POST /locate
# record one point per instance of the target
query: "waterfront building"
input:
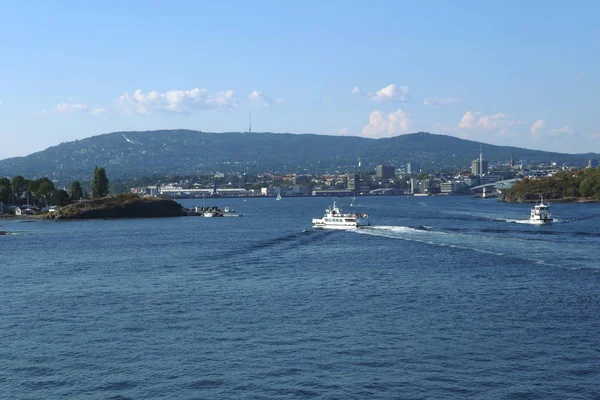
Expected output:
(298, 179)
(479, 166)
(353, 182)
(385, 171)
(332, 192)
(452, 187)
(413, 168)
(484, 180)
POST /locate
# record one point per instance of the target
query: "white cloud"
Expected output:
(536, 127)
(96, 111)
(492, 121)
(177, 101)
(1, 103)
(536, 130)
(70, 108)
(258, 97)
(357, 91)
(386, 125)
(391, 93)
(564, 130)
(475, 120)
(437, 101)
(466, 121)
(343, 131)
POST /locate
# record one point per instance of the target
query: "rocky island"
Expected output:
(120, 206)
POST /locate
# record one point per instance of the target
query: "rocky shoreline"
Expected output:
(121, 206)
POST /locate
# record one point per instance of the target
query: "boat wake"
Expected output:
(253, 251)
(513, 244)
(400, 229)
(425, 234)
(8, 233)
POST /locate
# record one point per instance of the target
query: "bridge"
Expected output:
(499, 185)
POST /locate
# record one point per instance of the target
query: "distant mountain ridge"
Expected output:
(183, 152)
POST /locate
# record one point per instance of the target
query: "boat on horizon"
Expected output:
(335, 219)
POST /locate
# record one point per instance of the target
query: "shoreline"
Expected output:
(568, 200)
(565, 200)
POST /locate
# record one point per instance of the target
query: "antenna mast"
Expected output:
(250, 123)
(480, 160)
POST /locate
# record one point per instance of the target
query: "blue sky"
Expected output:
(512, 73)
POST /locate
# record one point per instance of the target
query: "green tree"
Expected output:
(5, 190)
(19, 185)
(45, 189)
(5, 193)
(587, 187)
(99, 183)
(76, 191)
(60, 198)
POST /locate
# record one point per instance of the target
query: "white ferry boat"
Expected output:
(335, 219)
(540, 213)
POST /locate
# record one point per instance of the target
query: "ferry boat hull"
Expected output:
(335, 219)
(319, 223)
(541, 221)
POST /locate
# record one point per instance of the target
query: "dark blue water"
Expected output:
(444, 298)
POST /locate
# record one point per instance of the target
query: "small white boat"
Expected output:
(278, 196)
(335, 219)
(540, 213)
(228, 210)
(209, 214)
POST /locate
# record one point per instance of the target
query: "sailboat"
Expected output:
(278, 196)
(353, 201)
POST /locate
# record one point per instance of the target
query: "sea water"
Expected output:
(444, 297)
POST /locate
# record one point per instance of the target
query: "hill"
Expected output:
(182, 152)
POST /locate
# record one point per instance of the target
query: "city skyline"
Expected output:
(521, 75)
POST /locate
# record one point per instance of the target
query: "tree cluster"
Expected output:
(42, 192)
(583, 183)
(31, 191)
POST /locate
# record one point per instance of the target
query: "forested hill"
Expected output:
(183, 152)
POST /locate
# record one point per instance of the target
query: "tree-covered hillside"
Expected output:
(184, 152)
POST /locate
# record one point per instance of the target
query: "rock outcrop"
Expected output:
(120, 206)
